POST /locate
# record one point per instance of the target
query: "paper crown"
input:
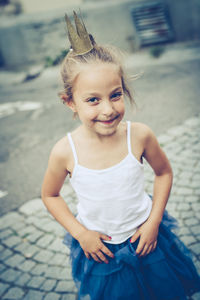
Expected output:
(79, 37)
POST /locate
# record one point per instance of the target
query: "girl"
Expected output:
(121, 243)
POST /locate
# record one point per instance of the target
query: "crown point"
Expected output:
(79, 38)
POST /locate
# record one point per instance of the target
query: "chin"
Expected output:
(107, 131)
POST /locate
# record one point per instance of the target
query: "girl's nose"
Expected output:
(107, 108)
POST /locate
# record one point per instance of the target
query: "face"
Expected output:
(98, 98)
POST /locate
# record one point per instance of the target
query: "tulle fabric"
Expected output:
(165, 274)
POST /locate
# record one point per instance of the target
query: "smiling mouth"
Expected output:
(108, 121)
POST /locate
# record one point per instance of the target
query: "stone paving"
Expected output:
(34, 263)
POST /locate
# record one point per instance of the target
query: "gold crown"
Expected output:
(79, 37)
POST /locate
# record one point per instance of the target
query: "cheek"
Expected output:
(87, 112)
(92, 113)
(119, 106)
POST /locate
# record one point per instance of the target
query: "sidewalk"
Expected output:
(33, 261)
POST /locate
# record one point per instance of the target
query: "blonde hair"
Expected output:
(71, 67)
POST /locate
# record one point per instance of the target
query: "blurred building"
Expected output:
(38, 6)
(40, 31)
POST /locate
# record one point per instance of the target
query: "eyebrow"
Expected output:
(116, 89)
(96, 94)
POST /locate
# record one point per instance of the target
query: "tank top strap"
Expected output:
(73, 148)
(129, 136)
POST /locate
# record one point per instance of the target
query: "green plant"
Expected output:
(156, 51)
(50, 61)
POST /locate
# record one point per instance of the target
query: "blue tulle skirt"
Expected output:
(166, 273)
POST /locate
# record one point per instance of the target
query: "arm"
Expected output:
(52, 183)
(155, 156)
(54, 178)
(163, 177)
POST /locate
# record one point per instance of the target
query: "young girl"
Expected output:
(121, 242)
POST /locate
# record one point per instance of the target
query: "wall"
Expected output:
(185, 16)
(37, 6)
(28, 39)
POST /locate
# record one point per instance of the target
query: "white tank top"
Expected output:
(112, 200)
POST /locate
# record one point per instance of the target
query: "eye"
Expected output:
(93, 100)
(116, 96)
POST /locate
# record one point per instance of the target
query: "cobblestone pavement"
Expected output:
(33, 260)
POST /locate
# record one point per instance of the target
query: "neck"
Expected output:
(100, 138)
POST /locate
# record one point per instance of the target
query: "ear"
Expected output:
(71, 105)
(69, 102)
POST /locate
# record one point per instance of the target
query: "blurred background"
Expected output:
(33, 31)
(161, 45)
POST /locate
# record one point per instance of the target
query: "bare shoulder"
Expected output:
(140, 135)
(61, 153)
(57, 168)
(142, 132)
(59, 150)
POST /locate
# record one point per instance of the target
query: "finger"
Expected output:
(87, 255)
(100, 255)
(105, 237)
(105, 250)
(140, 247)
(135, 237)
(150, 249)
(154, 245)
(144, 250)
(95, 257)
